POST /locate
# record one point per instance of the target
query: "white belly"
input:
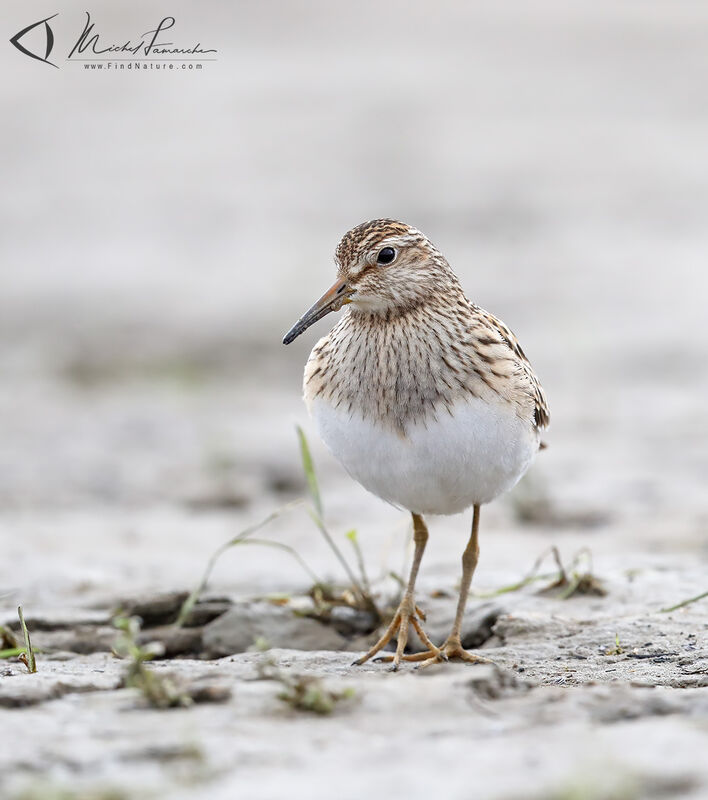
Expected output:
(441, 467)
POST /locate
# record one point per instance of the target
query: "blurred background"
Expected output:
(162, 230)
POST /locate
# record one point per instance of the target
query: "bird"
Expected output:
(426, 399)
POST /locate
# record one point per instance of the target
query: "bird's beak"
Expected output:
(332, 300)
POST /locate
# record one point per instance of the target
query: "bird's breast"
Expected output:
(393, 372)
(443, 464)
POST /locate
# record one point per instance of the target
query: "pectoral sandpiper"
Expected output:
(426, 399)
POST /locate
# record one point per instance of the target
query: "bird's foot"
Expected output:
(451, 650)
(407, 614)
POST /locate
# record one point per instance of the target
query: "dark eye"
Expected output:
(386, 255)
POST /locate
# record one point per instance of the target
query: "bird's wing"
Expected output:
(542, 414)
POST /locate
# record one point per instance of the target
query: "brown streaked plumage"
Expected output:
(428, 400)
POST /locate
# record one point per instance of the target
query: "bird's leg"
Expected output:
(452, 648)
(407, 613)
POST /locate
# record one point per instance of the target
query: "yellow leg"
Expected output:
(452, 648)
(407, 613)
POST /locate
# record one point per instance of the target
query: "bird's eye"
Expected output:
(386, 255)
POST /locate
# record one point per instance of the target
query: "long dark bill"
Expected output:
(332, 300)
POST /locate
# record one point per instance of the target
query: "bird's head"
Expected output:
(382, 266)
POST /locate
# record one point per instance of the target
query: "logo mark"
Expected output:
(49, 36)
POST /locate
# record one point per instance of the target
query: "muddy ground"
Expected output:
(593, 695)
(557, 156)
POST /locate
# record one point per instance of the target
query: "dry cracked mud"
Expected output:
(160, 236)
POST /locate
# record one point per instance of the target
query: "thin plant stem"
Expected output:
(515, 587)
(191, 601)
(353, 538)
(309, 470)
(291, 550)
(317, 515)
(531, 576)
(684, 603)
(356, 586)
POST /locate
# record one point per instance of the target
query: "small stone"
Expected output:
(155, 609)
(352, 621)
(237, 629)
(174, 641)
(202, 692)
(477, 624)
(492, 682)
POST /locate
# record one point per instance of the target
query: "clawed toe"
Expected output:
(408, 614)
(452, 650)
(411, 657)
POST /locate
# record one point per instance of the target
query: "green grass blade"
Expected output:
(684, 603)
(309, 470)
(12, 652)
(514, 587)
(29, 660)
